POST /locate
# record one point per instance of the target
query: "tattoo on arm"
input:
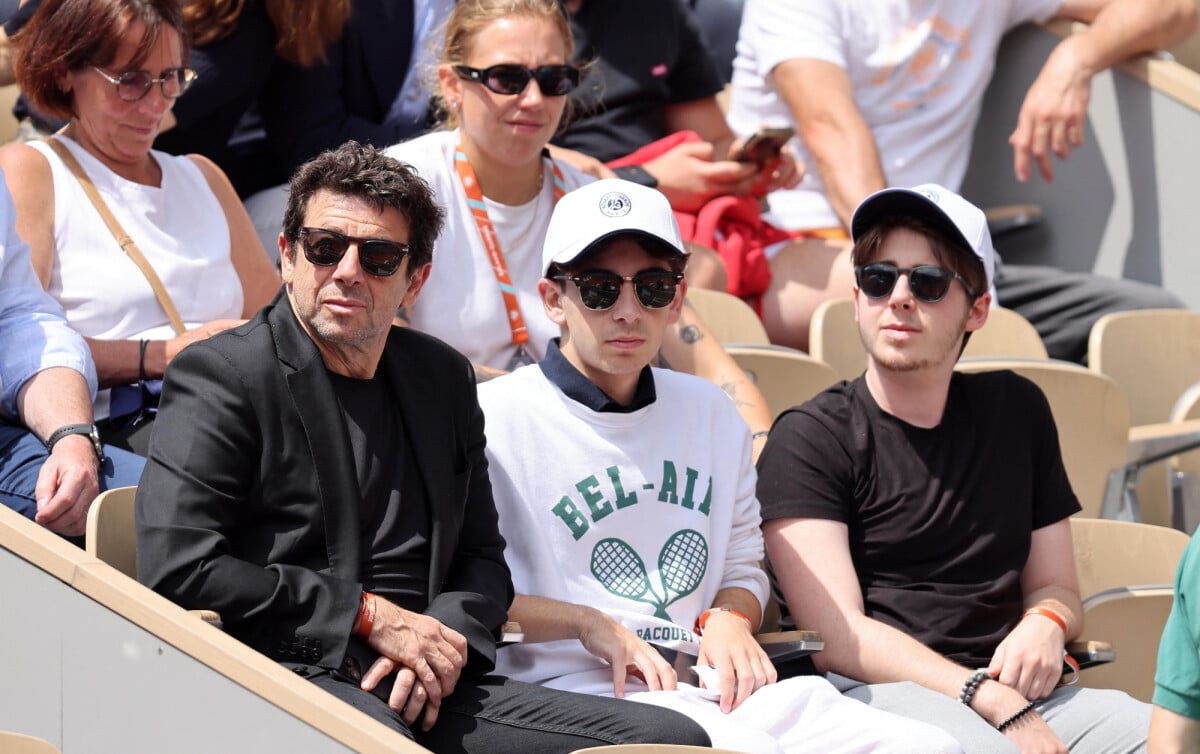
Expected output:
(691, 334)
(731, 389)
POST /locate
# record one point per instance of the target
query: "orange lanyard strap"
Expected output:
(487, 234)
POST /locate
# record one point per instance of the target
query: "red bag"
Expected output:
(730, 225)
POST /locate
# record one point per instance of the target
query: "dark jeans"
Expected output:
(1064, 305)
(500, 716)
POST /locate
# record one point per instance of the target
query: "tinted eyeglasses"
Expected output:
(507, 78)
(600, 290)
(325, 248)
(133, 85)
(928, 283)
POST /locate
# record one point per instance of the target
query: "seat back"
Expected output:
(1154, 355)
(1090, 413)
(19, 743)
(730, 319)
(785, 376)
(1126, 574)
(111, 533)
(834, 339)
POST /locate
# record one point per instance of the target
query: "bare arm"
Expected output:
(544, 619)
(728, 644)
(260, 281)
(1172, 733)
(820, 586)
(821, 99)
(689, 346)
(1052, 116)
(69, 478)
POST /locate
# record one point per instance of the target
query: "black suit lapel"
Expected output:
(328, 440)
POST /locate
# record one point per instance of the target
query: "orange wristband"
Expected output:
(1046, 612)
(365, 621)
(704, 616)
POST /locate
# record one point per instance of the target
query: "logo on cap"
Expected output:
(932, 195)
(615, 204)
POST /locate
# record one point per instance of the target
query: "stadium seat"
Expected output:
(785, 376)
(18, 743)
(730, 319)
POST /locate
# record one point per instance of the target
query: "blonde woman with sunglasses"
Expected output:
(116, 68)
(501, 86)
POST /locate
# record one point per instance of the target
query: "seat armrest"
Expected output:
(1091, 653)
(511, 633)
(783, 645)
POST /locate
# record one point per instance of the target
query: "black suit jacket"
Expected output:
(248, 502)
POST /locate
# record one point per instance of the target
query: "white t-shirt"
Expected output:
(646, 515)
(461, 302)
(919, 72)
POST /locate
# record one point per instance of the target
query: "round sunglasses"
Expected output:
(133, 85)
(928, 283)
(599, 290)
(325, 248)
(509, 78)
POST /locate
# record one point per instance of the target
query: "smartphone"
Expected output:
(764, 144)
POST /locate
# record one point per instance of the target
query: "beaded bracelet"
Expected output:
(1012, 719)
(972, 684)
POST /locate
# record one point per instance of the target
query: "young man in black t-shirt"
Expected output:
(918, 517)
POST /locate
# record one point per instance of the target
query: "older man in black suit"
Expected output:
(319, 477)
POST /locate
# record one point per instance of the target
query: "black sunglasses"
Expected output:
(325, 248)
(928, 283)
(133, 85)
(508, 78)
(600, 290)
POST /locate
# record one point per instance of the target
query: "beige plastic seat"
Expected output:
(1126, 575)
(785, 376)
(834, 339)
(730, 319)
(111, 533)
(19, 743)
(1154, 355)
(1090, 413)
(112, 537)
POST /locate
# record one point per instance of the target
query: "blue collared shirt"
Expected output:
(580, 389)
(34, 334)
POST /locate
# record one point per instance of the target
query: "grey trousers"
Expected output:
(1088, 721)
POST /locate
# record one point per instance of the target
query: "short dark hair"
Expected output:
(363, 172)
(675, 261)
(70, 35)
(947, 248)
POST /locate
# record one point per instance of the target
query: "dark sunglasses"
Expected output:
(927, 282)
(508, 78)
(325, 248)
(133, 85)
(600, 290)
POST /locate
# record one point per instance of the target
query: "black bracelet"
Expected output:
(972, 684)
(760, 433)
(1019, 714)
(142, 361)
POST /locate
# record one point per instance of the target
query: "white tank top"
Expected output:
(179, 227)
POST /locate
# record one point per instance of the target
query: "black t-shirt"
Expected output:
(648, 54)
(393, 513)
(940, 520)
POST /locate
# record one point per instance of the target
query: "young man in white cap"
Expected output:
(626, 496)
(919, 515)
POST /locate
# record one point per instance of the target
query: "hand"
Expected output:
(206, 330)
(995, 702)
(689, 176)
(66, 486)
(742, 665)
(627, 653)
(1053, 113)
(435, 652)
(783, 172)
(409, 696)
(1030, 659)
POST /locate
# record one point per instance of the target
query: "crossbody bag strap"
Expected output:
(126, 243)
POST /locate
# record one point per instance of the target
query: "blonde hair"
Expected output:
(469, 18)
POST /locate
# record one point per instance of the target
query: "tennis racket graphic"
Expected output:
(682, 563)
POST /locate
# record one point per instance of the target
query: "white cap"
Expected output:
(608, 209)
(933, 202)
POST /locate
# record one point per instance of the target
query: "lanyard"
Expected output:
(487, 233)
